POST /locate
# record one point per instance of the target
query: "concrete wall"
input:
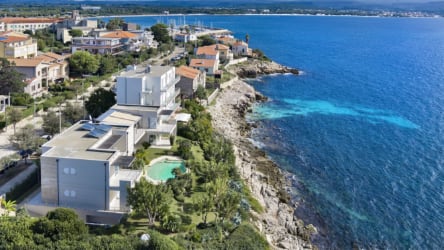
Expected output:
(49, 184)
(128, 90)
(83, 183)
(186, 86)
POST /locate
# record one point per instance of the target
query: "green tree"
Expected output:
(51, 123)
(26, 138)
(15, 115)
(73, 112)
(10, 79)
(61, 224)
(204, 205)
(201, 93)
(184, 149)
(108, 64)
(83, 62)
(149, 199)
(76, 33)
(115, 24)
(100, 101)
(160, 33)
(229, 203)
(207, 40)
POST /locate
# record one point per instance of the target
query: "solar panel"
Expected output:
(103, 127)
(87, 126)
(97, 133)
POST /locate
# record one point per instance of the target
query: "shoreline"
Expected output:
(266, 181)
(246, 14)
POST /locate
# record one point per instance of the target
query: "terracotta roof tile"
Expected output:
(206, 63)
(187, 72)
(12, 39)
(30, 62)
(30, 20)
(119, 34)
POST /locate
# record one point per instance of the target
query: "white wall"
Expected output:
(83, 183)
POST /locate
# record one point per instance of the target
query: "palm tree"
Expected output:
(8, 206)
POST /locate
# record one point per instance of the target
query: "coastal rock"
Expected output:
(263, 177)
(255, 67)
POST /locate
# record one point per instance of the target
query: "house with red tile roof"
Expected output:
(97, 45)
(40, 71)
(34, 71)
(209, 66)
(190, 79)
(240, 48)
(215, 51)
(17, 45)
(20, 24)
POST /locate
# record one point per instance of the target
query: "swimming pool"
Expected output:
(162, 169)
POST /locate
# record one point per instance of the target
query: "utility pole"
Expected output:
(60, 118)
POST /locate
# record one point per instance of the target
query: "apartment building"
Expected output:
(17, 45)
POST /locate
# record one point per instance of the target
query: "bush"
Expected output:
(160, 242)
(184, 149)
(146, 144)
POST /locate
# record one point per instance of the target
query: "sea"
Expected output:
(361, 129)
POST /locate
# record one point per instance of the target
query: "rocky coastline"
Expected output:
(253, 68)
(266, 181)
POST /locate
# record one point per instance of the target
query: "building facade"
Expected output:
(21, 24)
(17, 45)
(150, 93)
(190, 80)
(97, 45)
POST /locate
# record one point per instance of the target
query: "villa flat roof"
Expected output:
(75, 143)
(115, 117)
(141, 71)
(120, 107)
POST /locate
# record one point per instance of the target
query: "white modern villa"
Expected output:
(87, 166)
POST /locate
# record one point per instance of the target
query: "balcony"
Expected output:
(170, 84)
(171, 98)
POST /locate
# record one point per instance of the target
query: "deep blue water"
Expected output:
(362, 129)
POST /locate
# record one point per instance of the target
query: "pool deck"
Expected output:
(160, 159)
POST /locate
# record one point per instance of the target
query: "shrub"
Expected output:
(146, 144)
(184, 149)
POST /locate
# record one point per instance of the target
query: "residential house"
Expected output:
(97, 45)
(17, 45)
(20, 24)
(126, 38)
(34, 70)
(207, 52)
(185, 37)
(210, 66)
(129, 26)
(88, 166)
(41, 70)
(240, 48)
(151, 94)
(58, 69)
(190, 79)
(75, 22)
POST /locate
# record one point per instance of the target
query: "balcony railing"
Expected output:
(170, 84)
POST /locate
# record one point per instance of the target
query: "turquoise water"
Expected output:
(362, 129)
(162, 171)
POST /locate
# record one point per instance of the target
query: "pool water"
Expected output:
(162, 171)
